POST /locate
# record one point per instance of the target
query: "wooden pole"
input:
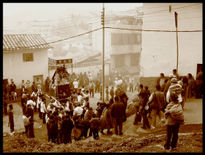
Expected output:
(103, 69)
(176, 24)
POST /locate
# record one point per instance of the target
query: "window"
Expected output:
(126, 38)
(119, 60)
(134, 59)
(27, 57)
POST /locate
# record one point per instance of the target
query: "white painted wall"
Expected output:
(159, 51)
(15, 68)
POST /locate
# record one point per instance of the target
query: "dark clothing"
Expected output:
(145, 119)
(172, 136)
(86, 126)
(118, 114)
(118, 125)
(117, 109)
(29, 113)
(94, 132)
(143, 95)
(52, 130)
(94, 127)
(11, 120)
(47, 83)
(5, 107)
(44, 117)
(12, 87)
(137, 116)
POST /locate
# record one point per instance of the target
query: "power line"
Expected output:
(156, 12)
(152, 30)
(52, 42)
(159, 11)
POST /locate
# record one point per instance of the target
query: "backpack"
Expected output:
(176, 112)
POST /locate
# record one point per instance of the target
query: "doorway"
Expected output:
(38, 79)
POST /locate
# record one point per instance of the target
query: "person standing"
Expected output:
(112, 92)
(43, 110)
(107, 93)
(75, 84)
(47, 84)
(157, 100)
(199, 84)
(174, 118)
(92, 89)
(23, 87)
(11, 119)
(67, 126)
(5, 103)
(29, 114)
(175, 87)
(161, 81)
(191, 85)
(12, 91)
(118, 114)
(33, 87)
(94, 126)
(143, 97)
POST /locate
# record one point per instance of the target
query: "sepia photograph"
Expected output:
(102, 77)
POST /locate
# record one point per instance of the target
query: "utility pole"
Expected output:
(103, 36)
(176, 24)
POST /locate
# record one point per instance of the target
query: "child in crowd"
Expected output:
(174, 117)
(11, 119)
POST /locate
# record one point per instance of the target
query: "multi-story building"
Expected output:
(122, 47)
(159, 49)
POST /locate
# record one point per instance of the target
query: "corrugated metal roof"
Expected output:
(13, 42)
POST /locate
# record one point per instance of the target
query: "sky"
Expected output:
(27, 11)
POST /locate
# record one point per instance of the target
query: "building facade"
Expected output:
(159, 49)
(25, 57)
(122, 46)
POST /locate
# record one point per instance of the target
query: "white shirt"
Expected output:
(30, 102)
(46, 118)
(38, 102)
(75, 83)
(43, 107)
(78, 111)
(79, 98)
(33, 94)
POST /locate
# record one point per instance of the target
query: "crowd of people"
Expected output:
(75, 115)
(166, 102)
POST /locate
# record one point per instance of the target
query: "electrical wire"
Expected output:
(52, 42)
(159, 11)
(152, 30)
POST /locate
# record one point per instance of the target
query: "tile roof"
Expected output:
(13, 42)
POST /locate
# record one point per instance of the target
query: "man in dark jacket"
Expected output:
(118, 114)
(11, 119)
(94, 127)
(67, 127)
(143, 98)
(30, 113)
